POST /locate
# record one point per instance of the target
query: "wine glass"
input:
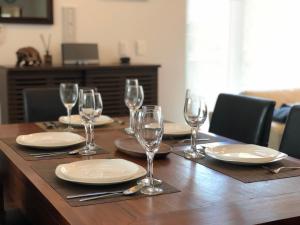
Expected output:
(146, 180)
(150, 129)
(68, 95)
(195, 114)
(134, 97)
(86, 111)
(97, 114)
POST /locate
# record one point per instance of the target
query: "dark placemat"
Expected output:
(64, 188)
(185, 141)
(25, 152)
(57, 126)
(247, 174)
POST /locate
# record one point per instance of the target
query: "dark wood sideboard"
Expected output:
(109, 79)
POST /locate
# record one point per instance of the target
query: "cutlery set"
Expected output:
(48, 154)
(99, 195)
(277, 170)
(50, 125)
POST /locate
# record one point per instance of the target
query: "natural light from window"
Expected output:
(236, 45)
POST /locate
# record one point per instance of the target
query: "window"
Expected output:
(235, 45)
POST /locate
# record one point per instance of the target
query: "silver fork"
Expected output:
(277, 170)
(44, 154)
(198, 139)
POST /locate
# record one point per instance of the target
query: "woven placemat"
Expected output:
(246, 174)
(64, 188)
(25, 152)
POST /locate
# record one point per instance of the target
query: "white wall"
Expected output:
(161, 23)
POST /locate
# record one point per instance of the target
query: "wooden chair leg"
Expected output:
(1, 198)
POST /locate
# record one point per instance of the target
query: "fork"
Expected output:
(198, 139)
(277, 170)
(44, 154)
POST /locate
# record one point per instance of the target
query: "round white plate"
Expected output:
(49, 140)
(176, 129)
(247, 154)
(100, 171)
(76, 120)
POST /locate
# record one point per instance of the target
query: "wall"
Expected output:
(161, 23)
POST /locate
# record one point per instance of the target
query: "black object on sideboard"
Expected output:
(109, 79)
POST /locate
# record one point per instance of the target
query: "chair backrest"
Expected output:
(290, 142)
(246, 119)
(43, 104)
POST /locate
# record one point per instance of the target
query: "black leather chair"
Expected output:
(246, 119)
(290, 142)
(43, 104)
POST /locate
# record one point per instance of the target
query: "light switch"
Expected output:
(2, 34)
(69, 24)
(141, 47)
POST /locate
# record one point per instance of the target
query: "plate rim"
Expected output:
(109, 121)
(20, 142)
(280, 156)
(141, 172)
(137, 154)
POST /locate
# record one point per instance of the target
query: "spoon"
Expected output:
(277, 170)
(129, 191)
(46, 154)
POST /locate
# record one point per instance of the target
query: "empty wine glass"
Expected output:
(97, 114)
(195, 114)
(134, 97)
(150, 129)
(68, 95)
(86, 111)
(146, 180)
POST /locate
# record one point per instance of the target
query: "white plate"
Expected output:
(100, 171)
(76, 120)
(245, 154)
(176, 129)
(50, 140)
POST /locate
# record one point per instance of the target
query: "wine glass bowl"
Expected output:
(86, 112)
(68, 94)
(133, 98)
(97, 113)
(195, 114)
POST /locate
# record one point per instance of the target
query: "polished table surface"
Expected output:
(205, 197)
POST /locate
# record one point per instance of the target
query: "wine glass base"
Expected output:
(129, 131)
(151, 190)
(146, 181)
(93, 146)
(68, 129)
(190, 154)
(87, 152)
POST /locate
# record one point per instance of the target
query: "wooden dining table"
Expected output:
(205, 196)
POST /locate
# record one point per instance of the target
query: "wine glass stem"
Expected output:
(91, 132)
(148, 169)
(131, 118)
(86, 128)
(150, 157)
(69, 116)
(92, 141)
(194, 139)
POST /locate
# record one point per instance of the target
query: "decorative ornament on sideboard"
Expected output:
(28, 56)
(47, 56)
